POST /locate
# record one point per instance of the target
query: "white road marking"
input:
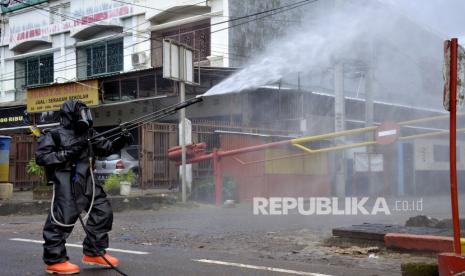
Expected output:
(267, 268)
(80, 246)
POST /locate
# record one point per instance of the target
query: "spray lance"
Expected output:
(150, 117)
(85, 124)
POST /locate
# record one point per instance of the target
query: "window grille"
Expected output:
(105, 58)
(39, 70)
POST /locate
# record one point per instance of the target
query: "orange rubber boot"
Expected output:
(62, 268)
(97, 260)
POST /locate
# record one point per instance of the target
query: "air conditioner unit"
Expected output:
(139, 59)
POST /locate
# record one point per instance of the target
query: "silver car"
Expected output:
(126, 160)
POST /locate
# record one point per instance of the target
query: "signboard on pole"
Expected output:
(178, 65)
(178, 62)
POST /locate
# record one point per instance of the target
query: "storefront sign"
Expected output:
(12, 117)
(51, 97)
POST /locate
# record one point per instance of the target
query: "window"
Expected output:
(147, 86)
(128, 89)
(164, 86)
(38, 70)
(111, 91)
(195, 35)
(118, 88)
(133, 152)
(105, 58)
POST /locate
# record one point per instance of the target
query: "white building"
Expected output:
(67, 40)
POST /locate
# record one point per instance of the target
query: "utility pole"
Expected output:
(339, 125)
(178, 65)
(369, 119)
(182, 119)
(339, 116)
(370, 88)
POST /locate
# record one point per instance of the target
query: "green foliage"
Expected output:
(112, 183)
(204, 190)
(35, 170)
(229, 188)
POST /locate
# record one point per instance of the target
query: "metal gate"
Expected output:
(156, 170)
(156, 138)
(21, 152)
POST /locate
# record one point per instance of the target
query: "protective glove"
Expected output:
(128, 138)
(124, 139)
(74, 151)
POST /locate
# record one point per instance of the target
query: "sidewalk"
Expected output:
(22, 203)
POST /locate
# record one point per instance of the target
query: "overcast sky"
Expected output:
(444, 17)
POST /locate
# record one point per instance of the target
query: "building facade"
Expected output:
(109, 54)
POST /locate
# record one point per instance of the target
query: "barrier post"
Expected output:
(217, 173)
(453, 146)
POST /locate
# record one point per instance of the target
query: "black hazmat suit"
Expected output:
(64, 153)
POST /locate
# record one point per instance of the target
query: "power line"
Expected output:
(80, 20)
(91, 24)
(161, 10)
(277, 10)
(290, 7)
(178, 11)
(78, 64)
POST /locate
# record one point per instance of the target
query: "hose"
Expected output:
(87, 214)
(87, 230)
(91, 202)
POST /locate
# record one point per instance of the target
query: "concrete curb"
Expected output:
(419, 269)
(119, 204)
(428, 243)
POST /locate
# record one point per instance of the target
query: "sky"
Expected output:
(444, 17)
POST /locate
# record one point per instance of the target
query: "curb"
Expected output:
(419, 269)
(428, 243)
(118, 203)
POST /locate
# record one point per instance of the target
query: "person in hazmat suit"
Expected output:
(64, 152)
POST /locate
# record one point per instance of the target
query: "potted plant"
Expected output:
(204, 190)
(119, 183)
(42, 191)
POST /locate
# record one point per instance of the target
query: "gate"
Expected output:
(156, 138)
(21, 152)
(156, 170)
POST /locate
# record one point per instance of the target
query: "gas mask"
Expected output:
(84, 120)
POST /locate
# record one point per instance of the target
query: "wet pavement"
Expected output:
(228, 241)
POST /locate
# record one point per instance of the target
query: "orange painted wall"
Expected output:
(297, 177)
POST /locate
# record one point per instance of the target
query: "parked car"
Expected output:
(126, 160)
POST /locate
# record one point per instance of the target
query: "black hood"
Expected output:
(69, 112)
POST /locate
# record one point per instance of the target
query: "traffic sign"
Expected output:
(387, 133)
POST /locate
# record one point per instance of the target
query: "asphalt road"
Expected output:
(23, 258)
(228, 241)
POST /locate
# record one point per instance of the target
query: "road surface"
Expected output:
(206, 240)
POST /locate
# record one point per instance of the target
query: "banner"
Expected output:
(12, 117)
(37, 25)
(50, 98)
